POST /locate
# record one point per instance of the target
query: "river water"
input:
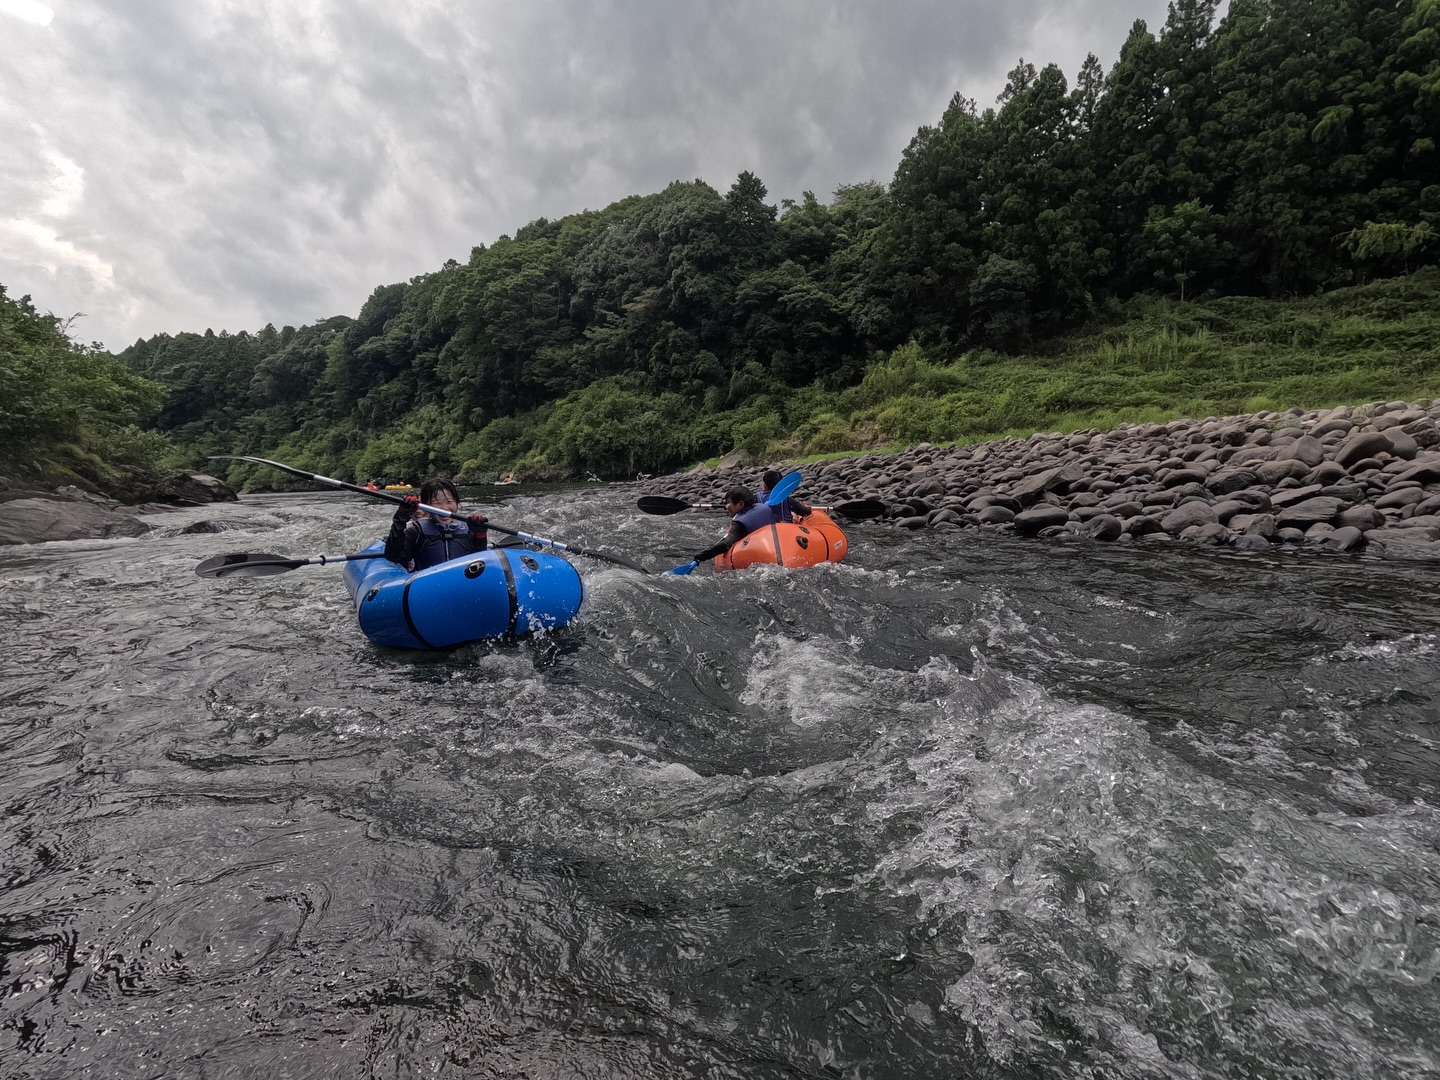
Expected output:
(962, 806)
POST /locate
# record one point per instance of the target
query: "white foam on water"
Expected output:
(1181, 926)
(1404, 648)
(807, 682)
(1126, 605)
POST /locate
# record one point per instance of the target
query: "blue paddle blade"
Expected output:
(783, 489)
(682, 571)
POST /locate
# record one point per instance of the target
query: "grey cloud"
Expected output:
(247, 162)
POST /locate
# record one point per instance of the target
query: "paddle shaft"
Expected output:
(318, 560)
(437, 511)
(663, 505)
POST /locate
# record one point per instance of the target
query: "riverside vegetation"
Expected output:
(1240, 216)
(70, 412)
(71, 451)
(1151, 360)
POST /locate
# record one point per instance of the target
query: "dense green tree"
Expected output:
(1150, 126)
(1180, 243)
(1045, 214)
(929, 248)
(1323, 130)
(63, 403)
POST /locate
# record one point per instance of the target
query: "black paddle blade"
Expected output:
(860, 509)
(218, 566)
(661, 504)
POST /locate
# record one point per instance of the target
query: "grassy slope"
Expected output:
(1156, 361)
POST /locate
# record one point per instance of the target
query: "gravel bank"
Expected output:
(1352, 478)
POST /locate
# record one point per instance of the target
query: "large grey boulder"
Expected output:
(1400, 497)
(1348, 538)
(1307, 448)
(994, 514)
(1225, 481)
(1182, 517)
(1211, 533)
(1104, 527)
(1360, 517)
(1250, 542)
(1183, 477)
(1144, 525)
(1359, 446)
(1401, 444)
(194, 489)
(35, 521)
(1424, 469)
(1309, 512)
(1293, 495)
(1327, 472)
(1326, 427)
(1272, 472)
(1030, 489)
(1030, 522)
(1258, 525)
(1424, 432)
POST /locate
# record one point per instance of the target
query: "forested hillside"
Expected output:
(1283, 151)
(68, 411)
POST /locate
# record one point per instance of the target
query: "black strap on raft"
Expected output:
(510, 589)
(405, 607)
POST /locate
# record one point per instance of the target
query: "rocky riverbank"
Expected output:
(69, 513)
(1352, 478)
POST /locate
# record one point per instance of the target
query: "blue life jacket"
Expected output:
(442, 541)
(782, 512)
(756, 517)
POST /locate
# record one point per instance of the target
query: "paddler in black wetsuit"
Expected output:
(746, 515)
(423, 541)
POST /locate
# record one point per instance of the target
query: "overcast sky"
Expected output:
(170, 165)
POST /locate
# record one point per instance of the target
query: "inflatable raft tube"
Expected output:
(809, 542)
(497, 593)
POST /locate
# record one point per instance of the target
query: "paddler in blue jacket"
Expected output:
(787, 511)
(746, 515)
(418, 540)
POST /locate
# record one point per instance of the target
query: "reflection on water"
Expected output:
(962, 805)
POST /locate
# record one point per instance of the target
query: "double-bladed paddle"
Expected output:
(437, 511)
(663, 505)
(251, 564)
(783, 489)
(264, 565)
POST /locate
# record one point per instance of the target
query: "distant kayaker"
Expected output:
(419, 540)
(746, 515)
(791, 508)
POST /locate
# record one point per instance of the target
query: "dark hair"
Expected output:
(770, 479)
(740, 495)
(434, 486)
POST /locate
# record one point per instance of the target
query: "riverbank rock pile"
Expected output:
(1350, 478)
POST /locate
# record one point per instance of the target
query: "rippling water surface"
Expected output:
(960, 806)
